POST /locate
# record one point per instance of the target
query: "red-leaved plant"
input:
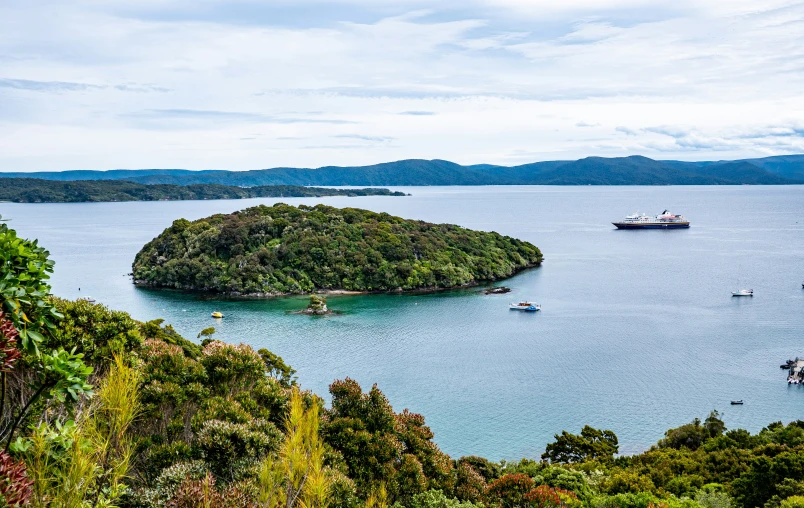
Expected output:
(9, 354)
(15, 486)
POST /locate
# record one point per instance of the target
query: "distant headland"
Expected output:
(33, 190)
(281, 249)
(633, 170)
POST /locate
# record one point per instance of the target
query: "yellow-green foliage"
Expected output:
(378, 498)
(83, 463)
(793, 502)
(296, 476)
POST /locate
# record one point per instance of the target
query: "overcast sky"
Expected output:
(245, 84)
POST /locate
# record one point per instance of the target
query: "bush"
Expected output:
(230, 447)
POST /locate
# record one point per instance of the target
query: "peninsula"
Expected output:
(35, 190)
(265, 251)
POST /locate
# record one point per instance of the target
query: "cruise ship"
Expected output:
(664, 220)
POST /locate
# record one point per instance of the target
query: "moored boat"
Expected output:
(217, 315)
(86, 299)
(743, 292)
(664, 220)
(737, 402)
(525, 306)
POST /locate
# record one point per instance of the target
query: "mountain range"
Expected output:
(633, 170)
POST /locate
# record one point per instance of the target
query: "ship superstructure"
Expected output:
(664, 220)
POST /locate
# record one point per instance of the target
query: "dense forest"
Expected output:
(633, 170)
(284, 249)
(100, 410)
(33, 190)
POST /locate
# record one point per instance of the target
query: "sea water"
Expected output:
(638, 330)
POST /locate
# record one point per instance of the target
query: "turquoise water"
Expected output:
(638, 331)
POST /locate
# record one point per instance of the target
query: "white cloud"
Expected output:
(487, 81)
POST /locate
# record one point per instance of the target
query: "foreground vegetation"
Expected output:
(33, 190)
(98, 409)
(284, 249)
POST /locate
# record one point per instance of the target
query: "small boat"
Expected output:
(737, 402)
(217, 315)
(86, 299)
(743, 292)
(526, 306)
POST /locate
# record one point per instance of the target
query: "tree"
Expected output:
(509, 490)
(296, 476)
(26, 316)
(379, 446)
(591, 444)
(714, 426)
(693, 435)
(207, 333)
(25, 268)
(276, 367)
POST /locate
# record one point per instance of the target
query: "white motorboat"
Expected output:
(526, 306)
(743, 292)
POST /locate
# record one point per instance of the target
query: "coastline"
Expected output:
(335, 291)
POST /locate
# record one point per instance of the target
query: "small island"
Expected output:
(34, 190)
(282, 249)
(316, 307)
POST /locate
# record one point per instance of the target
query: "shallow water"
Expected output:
(638, 331)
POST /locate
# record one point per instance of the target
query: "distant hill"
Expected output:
(633, 170)
(35, 190)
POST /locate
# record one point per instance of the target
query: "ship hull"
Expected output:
(675, 225)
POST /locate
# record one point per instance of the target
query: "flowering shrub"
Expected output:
(224, 444)
(196, 493)
(545, 496)
(231, 368)
(509, 491)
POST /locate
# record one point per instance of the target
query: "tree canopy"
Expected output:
(284, 249)
(34, 190)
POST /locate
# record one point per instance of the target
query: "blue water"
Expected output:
(638, 331)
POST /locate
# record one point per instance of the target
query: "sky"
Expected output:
(248, 84)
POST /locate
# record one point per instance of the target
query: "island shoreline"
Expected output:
(331, 292)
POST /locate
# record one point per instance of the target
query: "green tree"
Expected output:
(591, 444)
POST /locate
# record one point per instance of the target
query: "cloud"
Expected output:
(134, 87)
(627, 131)
(47, 86)
(212, 116)
(67, 86)
(684, 138)
(179, 83)
(363, 137)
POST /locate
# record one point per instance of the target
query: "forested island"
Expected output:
(288, 250)
(102, 410)
(34, 190)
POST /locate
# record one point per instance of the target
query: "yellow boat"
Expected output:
(217, 315)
